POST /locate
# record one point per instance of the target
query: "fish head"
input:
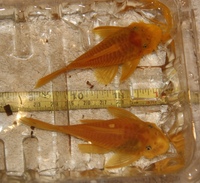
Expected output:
(145, 37)
(156, 143)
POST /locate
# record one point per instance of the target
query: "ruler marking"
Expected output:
(62, 100)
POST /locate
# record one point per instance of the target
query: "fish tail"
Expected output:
(41, 125)
(49, 77)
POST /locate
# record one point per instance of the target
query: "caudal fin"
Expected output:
(50, 77)
(40, 124)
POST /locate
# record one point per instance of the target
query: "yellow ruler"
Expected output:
(62, 100)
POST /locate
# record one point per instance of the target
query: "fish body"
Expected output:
(121, 46)
(126, 135)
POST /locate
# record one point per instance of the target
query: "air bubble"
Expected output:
(191, 75)
(196, 81)
(151, 79)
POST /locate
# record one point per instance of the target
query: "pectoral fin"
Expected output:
(105, 75)
(128, 68)
(121, 113)
(105, 31)
(91, 148)
(119, 160)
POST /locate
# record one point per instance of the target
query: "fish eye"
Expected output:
(144, 45)
(135, 28)
(148, 148)
(150, 126)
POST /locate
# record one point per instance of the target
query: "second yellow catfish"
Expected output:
(127, 136)
(121, 46)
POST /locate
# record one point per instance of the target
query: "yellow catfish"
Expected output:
(121, 46)
(127, 136)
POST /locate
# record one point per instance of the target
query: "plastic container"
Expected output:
(41, 36)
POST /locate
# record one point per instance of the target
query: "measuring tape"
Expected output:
(62, 100)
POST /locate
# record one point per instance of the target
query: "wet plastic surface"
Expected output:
(38, 38)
